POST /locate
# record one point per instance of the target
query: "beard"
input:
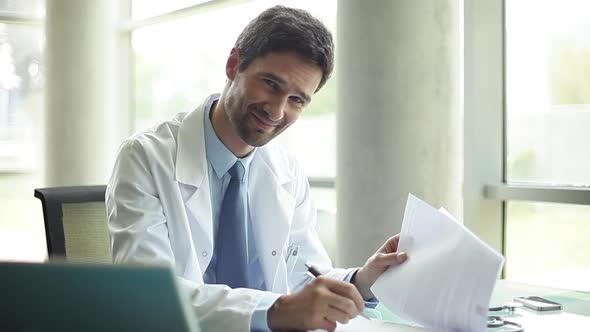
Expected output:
(246, 126)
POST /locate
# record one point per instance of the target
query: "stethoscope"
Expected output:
(499, 321)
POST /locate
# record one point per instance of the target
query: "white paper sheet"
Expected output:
(360, 324)
(364, 325)
(447, 281)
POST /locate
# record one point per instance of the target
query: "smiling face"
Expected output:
(268, 96)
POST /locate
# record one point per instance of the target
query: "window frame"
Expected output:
(486, 190)
(10, 18)
(132, 25)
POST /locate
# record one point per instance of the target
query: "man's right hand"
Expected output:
(319, 305)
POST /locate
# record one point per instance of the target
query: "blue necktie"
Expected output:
(232, 252)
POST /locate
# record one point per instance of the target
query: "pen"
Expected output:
(316, 273)
(289, 250)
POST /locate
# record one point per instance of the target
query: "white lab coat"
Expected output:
(159, 212)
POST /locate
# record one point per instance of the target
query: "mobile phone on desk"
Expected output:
(538, 303)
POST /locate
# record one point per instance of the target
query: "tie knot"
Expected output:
(237, 171)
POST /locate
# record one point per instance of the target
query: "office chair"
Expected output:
(75, 223)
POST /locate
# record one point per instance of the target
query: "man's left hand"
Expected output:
(385, 257)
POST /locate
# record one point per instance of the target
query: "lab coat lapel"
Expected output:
(271, 210)
(191, 173)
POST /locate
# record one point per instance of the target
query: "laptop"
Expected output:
(75, 297)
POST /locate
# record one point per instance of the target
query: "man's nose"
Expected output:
(276, 108)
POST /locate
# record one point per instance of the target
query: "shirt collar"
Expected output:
(220, 157)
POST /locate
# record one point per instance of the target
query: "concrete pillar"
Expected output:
(83, 117)
(399, 118)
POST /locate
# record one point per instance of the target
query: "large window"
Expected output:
(526, 151)
(547, 244)
(547, 138)
(21, 108)
(21, 82)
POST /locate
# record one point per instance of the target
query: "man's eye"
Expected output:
(297, 100)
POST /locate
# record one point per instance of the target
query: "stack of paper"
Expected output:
(447, 281)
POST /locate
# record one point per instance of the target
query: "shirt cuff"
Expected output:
(259, 322)
(348, 277)
(369, 303)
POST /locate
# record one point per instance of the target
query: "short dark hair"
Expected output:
(281, 28)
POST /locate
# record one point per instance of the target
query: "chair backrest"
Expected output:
(75, 223)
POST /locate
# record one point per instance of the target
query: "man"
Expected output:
(209, 193)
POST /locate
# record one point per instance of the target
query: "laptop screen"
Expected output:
(74, 297)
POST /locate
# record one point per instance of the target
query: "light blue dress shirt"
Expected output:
(220, 159)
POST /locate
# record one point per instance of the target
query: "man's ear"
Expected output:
(232, 64)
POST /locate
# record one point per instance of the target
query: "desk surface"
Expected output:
(574, 302)
(576, 309)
